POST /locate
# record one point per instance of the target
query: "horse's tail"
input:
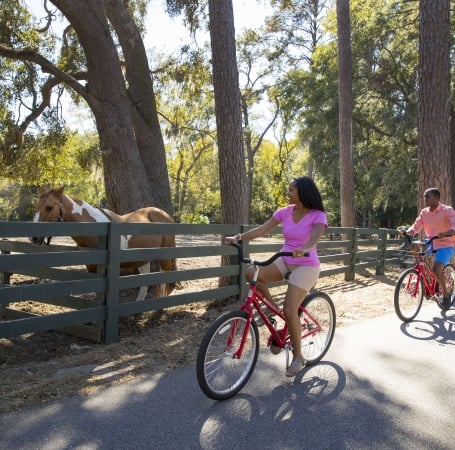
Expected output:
(168, 240)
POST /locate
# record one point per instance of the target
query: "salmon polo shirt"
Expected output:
(440, 220)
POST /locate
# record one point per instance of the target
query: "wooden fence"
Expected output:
(88, 305)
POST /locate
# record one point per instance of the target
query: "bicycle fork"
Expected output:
(233, 332)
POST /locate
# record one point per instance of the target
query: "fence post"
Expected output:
(351, 249)
(5, 276)
(243, 287)
(230, 260)
(112, 288)
(382, 246)
(4, 279)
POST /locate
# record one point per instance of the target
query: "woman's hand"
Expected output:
(299, 253)
(236, 238)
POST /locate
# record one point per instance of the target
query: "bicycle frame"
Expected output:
(280, 337)
(425, 274)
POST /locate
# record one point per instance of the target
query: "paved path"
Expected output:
(383, 385)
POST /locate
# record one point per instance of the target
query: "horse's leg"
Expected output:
(143, 290)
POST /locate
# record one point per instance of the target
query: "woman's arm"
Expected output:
(255, 232)
(316, 233)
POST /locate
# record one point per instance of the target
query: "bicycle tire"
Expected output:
(449, 273)
(408, 295)
(219, 375)
(320, 306)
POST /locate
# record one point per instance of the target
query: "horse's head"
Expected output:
(48, 209)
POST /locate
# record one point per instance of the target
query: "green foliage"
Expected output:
(16, 200)
(296, 72)
(194, 218)
(274, 169)
(53, 159)
(385, 112)
(191, 154)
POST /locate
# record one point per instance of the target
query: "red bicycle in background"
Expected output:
(419, 280)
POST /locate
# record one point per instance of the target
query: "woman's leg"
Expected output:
(294, 297)
(266, 274)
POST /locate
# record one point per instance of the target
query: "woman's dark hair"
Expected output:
(309, 193)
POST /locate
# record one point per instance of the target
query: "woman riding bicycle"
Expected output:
(437, 219)
(304, 221)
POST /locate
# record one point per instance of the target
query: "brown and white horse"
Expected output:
(55, 206)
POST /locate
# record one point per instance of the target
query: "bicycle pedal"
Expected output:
(275, 349)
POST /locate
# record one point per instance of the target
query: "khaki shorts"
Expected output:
(304, 277)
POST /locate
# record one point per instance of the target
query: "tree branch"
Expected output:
(50, 16)
(46, 66)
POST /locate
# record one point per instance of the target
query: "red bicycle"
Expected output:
(229, 350)
(418, 280)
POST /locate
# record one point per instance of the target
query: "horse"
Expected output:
(56, 206)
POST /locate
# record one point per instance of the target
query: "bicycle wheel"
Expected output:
(408, 295)
(320, 316)
(221, 373)
(449, 273)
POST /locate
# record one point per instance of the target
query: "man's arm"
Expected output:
(416, 226)
(451, 218)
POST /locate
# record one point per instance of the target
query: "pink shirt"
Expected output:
(297, 234)
(440, 220)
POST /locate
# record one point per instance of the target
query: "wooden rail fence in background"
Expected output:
(88, 305)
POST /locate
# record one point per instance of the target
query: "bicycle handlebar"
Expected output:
(260, 263)
(430, 240)
(410, 241)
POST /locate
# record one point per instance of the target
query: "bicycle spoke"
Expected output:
(318, 326)
(408, 295)
(227, 355)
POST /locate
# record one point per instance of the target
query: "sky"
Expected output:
(167, 33)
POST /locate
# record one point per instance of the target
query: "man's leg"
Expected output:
(442, 258)
(438, 271)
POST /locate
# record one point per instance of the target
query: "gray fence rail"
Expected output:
(88, 304)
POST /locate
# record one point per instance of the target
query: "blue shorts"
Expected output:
(443, 255)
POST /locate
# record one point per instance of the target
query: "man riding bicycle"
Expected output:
(437, 219)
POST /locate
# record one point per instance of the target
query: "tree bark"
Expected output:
(435, 161)
(132, 148)
(228, 112)
(345, 115)
(142, 102)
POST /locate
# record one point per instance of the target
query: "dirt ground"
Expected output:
(41, 367)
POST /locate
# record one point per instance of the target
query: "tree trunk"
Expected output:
(132, 147)
(452, 150)
(228, 112)
(142, 103)
(345, 115)
(434, 100)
